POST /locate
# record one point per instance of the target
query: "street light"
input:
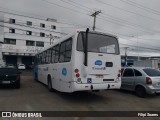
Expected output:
(126, 55)
(138, 53)
(51, 38)
(1, 52)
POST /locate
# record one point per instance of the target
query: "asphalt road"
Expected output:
(34, 96)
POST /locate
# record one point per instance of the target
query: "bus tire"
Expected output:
(36, 77)
(50, 84)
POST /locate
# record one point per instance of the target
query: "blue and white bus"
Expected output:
(81, 61)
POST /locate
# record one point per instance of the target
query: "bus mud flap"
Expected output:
(108, 86)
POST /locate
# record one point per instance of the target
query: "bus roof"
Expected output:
(73, 33)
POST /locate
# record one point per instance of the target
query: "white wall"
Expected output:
(21, 27)
(1, 37)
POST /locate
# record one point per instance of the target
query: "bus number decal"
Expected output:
(98, 62)
(64, 71)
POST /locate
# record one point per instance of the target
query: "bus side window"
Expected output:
(56, 54)
(62, 52)
(48, 56)
(65, 51)
(44, 57)
(68, 50)
(53, 54)
(40, 58)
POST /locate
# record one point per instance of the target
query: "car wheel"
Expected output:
(17, 85)
(140, 91)
(50, 84)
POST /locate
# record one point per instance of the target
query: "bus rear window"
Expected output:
(98, 43)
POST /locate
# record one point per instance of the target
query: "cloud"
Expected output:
(139, 18)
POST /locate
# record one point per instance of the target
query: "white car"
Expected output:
(141, 80)
(21, 67)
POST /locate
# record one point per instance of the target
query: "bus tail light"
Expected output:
(76, 70)
(148, 81)
(77, 75)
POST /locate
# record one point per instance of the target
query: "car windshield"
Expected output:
(8, 71)
(152, 72)
(98, 43)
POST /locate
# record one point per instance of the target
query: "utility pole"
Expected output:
(126, 55)
(51, 37)
(1, 56)
(94, 15)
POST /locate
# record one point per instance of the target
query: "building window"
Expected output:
(42, 25)
(42, 34)
(29, 32)
(39, 44)
(53, 27)
(29, 23)
(12, 20)
(11, 30)
(9, 41)
(30, 43)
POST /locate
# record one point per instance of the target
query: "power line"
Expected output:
(130, 40)
(73, 10)
(74, 5)
(125, 21)
(141, 7)
(141, 47)
(104, 3)
(116, 19)
(80, 5)
(38, 18)
(118, 23)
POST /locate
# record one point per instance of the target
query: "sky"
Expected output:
(135, 22)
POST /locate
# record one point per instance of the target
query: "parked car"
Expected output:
(21, 67)
(141, 80)
(10, 76)
(10, 65)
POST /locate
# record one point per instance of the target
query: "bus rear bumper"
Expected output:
(97, 86)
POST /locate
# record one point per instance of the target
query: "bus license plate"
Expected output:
(6, 82)
(99, 76)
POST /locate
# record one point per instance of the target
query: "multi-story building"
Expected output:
(22, 37)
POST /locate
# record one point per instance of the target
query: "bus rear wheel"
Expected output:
(50, 84)
(36, 77)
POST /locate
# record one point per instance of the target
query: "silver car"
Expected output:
(141, 80)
